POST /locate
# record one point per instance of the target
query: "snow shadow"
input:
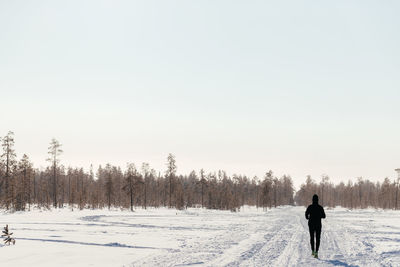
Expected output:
(190, 264)
(95, 244)
(98, 219)
(339, 263)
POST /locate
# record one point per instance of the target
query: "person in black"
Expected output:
(314, 214)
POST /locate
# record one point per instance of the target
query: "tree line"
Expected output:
(22, 185)
(360, 194)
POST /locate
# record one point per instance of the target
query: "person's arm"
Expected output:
(323, 216)
(308, 213)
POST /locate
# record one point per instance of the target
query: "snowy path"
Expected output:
(196, 237)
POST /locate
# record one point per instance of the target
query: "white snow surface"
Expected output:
(199, 237)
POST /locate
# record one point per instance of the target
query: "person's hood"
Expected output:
(315, 199)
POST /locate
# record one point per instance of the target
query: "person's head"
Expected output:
(315, 198)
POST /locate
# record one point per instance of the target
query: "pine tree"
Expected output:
(170, 174)
(23, 183)
(132, 180)
(9, 161)
(146, 172)
(54, 151)
(7, 236)
(109, 185)
(203, 183)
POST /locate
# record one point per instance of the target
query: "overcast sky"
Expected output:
(298, 87)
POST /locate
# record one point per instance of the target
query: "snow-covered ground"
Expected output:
(162, 237)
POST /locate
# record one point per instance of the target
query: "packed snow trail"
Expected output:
(280, 238)
(199, 237)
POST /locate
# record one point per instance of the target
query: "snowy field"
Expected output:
(162, 237)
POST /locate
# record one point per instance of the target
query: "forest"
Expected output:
(23, 186)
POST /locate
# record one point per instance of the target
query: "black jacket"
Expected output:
(314, 214)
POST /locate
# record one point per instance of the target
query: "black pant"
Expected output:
(317, 230)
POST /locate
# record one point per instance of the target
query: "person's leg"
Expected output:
(311, 229)
(318, 236)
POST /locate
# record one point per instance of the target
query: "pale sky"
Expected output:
(298, 87)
